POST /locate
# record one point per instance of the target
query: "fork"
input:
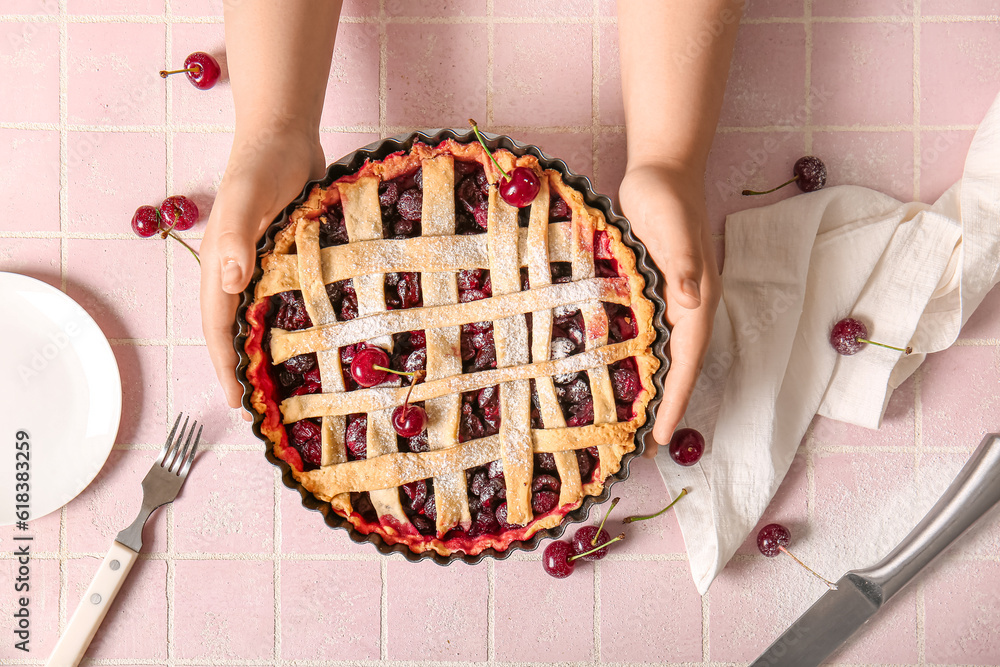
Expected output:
(161, 485)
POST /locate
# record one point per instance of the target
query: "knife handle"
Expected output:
(974, 492)
(93, 607)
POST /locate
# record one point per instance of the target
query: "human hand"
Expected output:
(266, 170)
(666, 207)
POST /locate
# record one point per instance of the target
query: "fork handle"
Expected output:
(93, 607)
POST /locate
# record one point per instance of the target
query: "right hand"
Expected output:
(266, 170)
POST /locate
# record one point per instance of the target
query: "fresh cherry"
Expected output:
(367, 366)
(201, 68)
(409, 420)
(146, 221)
(774, 538)
(809, 173)
(589, 537)
(849, 335)
(518, 188)
(179, 213)
(558, 558)
(686, 446)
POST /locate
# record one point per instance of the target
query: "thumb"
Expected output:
(236, 232)
(684, 267)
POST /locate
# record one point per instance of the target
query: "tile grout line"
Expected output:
(168, 146)
(276, 544)
(491, 650)
(597, 658)
(810, 451)
(706, 644)
(63, 264)
(595, 94)
(490, 39)
(917, 29)
(383, 643)
(918, 438)
(808, 27)
(383, 74)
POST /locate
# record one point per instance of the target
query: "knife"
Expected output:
(832, 619)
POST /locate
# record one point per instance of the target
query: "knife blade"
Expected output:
(832, 619)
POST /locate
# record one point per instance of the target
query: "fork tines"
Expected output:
(174, 458)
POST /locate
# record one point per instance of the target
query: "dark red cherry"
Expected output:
(810, 173)
(555, 559)
(771, 538)
(146, 221)
(521, 188)
(179, 212)
(201, 68)
(584, 541)
(686, 446)
(849, 335)
(363, 366)
(409, 420)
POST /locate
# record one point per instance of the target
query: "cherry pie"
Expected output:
(530, 326)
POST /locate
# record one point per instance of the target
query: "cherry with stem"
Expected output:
(849, 335)
(558, 559)
(633, 519)
(589, 537)
(774, 538)
(518, 188)
(409, 420)
(809, 173)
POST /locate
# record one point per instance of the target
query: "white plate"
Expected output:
(59, 384)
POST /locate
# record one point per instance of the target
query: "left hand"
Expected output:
(666, 207)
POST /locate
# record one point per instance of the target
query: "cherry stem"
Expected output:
(766, 192)
(181, 241)
(166, 232)
(416, 378)
(587, 553)
(829, 583)
(907, 350)
(391, 370)
(164, 73)
(475, 129)
(632, 519)
(593, 540)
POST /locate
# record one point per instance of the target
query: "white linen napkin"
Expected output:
(913, 273)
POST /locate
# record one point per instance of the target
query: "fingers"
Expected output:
(228, 260)
(684, 266)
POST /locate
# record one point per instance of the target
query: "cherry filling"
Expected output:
(401, 202)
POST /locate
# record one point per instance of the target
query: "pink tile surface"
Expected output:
(526, 628)
(330, 610)
(38, 166)
(958, 60)
(643, 600)
(558, 94)
(856, 66)
(437, 613)
(119, 86)
(882, 161)
(233, 559)
(766, 85)
(959, 396)
(352, 94)
(29, 72)
(121, 284)
(38, 258)
(231, 510)
(417, 98)
(224, 610)
(105, 188)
